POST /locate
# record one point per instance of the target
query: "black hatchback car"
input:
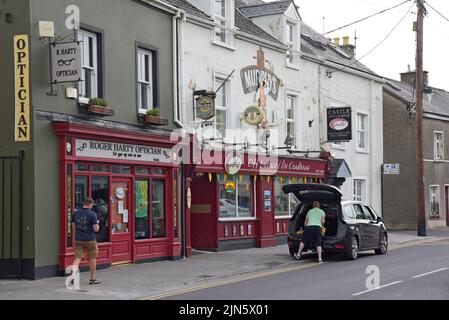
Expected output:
(351, 226)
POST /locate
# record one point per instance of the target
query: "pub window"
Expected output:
(235, 199)
(89, 84)
(285, 204)
(220, 18)
(221, 105)
(359, 192)
(146, 77)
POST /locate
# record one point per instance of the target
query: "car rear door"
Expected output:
(364, 229)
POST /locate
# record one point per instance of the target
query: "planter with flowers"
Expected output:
(153, 117)
(100, 107)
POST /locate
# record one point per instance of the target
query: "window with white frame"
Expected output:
(220, 18)
(221, 106)
(362, 131)
(438, 145)
(88, 86)
(434, 198)
(290, 40)
(359, 190)
(285, 204)
(144, 80)
(291, 116)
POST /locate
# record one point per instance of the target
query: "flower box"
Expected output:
(155, 120)
(100, 110)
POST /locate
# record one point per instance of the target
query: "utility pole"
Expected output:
(420, 207)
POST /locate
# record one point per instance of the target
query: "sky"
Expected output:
(398, 51)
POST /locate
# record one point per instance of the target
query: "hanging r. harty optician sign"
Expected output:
(65, 62)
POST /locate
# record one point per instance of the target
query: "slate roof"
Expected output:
(187, 7)
(242, 3)
(246, 25)
(266, 9)
(436, 102)
(315, 44)
(339, 169)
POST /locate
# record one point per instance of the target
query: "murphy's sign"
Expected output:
(22, 129)
(253, 76)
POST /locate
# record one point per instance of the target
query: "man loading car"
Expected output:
(314, 222)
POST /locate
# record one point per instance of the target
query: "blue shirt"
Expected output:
(84, 220)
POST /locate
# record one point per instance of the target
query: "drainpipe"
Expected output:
(177, 66)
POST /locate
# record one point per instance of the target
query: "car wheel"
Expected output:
(293, 250)
(353, 252)
(383, 246)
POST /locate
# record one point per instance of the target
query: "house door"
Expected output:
(120, 220)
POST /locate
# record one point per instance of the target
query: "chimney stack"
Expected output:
(409, 77)
(348, 48)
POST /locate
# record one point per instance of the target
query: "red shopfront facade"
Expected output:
(244, 209)
(135, 187)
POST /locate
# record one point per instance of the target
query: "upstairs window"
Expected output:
(291, 117)
(362, 132)
(144, 80)
(290, 41)
(221, 15)
(221, 105)
(88, 87)
(438, 145)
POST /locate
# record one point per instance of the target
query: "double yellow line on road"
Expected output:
(273, 272)
(229, 281)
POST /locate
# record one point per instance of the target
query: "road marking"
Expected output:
(378, 288)
(416, 243)
(229, 281)
(427, 273)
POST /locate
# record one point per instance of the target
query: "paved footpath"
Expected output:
(157, 279)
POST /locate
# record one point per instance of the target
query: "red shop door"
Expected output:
(121, 216)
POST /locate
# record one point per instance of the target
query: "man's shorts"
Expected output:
(312, 234)
(90, 246)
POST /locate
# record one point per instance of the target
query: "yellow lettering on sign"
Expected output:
(22, 129)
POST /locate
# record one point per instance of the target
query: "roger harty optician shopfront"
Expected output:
(237, 201)
(135, 187)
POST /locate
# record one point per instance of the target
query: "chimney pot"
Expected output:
(337, 41)
(345, 40)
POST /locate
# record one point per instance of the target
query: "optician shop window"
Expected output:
(236, 196)
(96, 187)
(285, 203)
(150, 209)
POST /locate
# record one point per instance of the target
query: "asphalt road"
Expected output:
(414, 272)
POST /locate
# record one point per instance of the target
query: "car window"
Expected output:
(359, 212)
(348, 213)
(369, 213)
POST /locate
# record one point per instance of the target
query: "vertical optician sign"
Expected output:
(22, 129)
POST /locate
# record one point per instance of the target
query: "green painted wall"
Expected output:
(124, 22)
(19, 9)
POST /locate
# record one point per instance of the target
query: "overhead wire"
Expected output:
(370, 16)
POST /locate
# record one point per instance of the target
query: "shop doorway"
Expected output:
(120, 220)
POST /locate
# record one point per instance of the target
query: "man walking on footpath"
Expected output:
(314, 222)
(86, 224)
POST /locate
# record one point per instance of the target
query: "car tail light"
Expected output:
(339, 246)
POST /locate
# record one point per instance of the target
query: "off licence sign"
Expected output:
(339, 127)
